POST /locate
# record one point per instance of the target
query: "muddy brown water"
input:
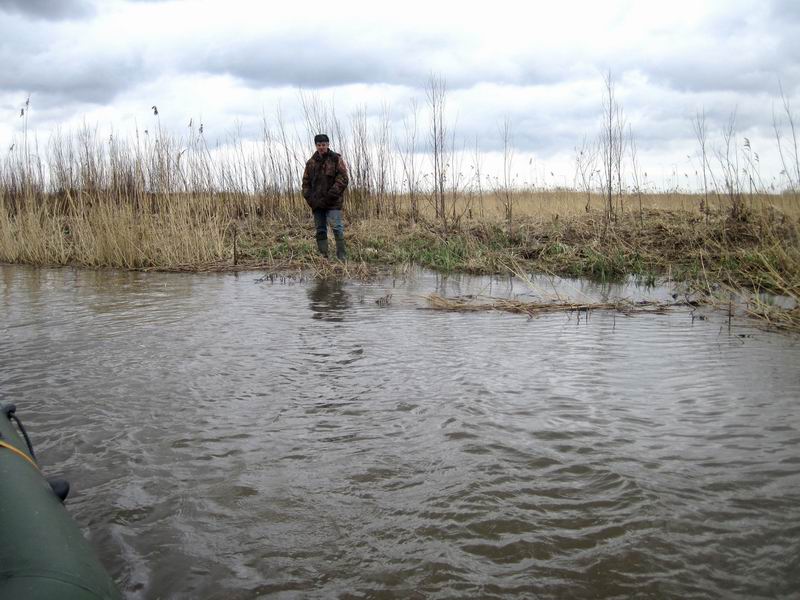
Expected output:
(229, 437)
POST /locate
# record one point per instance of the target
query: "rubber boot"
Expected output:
(341, 253)
(322, 246)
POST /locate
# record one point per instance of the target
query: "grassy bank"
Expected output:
(757, 248)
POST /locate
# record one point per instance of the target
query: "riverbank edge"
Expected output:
(708, 253)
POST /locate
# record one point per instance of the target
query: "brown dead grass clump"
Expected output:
(533, 309)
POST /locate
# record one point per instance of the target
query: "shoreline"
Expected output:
(684, 245)
(710, 254)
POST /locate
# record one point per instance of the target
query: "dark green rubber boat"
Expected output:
(43, 554)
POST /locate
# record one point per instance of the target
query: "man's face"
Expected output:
(322, 147)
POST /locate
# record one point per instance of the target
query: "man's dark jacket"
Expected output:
(325, 180)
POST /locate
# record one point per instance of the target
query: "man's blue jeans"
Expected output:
(323, 216)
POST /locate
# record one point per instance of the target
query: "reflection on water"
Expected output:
(328, 299)
(228, 438)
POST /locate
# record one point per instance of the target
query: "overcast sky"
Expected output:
(229, 63)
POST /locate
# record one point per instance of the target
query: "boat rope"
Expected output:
(18, 452)
(10, 411)
(13, 416)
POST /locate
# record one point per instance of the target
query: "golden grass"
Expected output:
(775, 317)
(115, 235)
(205, 233)
(566, 203)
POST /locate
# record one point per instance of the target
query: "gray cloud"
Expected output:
(736, 57)
(744, 51)
(785, 9)
(96, 79)
(49, 10)
(702, 76)
(324, 58)
(60, 64)
(729, 60)
(319, 60)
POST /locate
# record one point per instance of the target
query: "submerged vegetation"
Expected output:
(533, 309)
(160, 202)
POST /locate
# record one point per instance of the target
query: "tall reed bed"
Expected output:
(158, 201)
(152, 199)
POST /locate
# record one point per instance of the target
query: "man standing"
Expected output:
(324, 182)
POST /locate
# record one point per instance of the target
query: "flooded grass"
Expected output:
(534, 309)
(783, 319)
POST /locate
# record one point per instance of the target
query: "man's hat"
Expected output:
(320, 137)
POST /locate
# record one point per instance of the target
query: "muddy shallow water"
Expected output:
(236, 437)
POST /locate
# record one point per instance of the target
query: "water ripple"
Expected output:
(233, 439)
